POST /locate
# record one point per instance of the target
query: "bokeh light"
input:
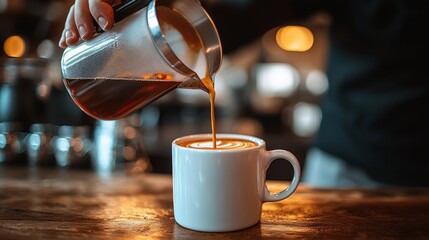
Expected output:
(14, 46)
(294, 38)
(316, 82)
(276, 79)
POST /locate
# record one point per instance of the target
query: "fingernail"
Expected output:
(82, 31)
(102, 22)
(69, 34)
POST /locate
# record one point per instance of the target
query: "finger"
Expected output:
(62, 41)
(102, 12)
(83, 19)
(71, 35)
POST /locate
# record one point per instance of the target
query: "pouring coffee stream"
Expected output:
(208, 83)
(166, 45)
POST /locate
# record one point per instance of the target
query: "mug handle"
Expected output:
(286, 155)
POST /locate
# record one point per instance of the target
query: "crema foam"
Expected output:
(220, 144)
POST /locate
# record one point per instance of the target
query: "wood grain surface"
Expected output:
(75, 204)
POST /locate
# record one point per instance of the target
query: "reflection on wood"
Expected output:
(47, 204)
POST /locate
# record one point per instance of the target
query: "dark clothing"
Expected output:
(374, 113)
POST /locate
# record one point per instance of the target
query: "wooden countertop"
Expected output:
(72, 204)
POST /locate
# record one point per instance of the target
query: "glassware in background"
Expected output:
(12, 147)
(39, 144)
(104, 151)
(19, 102)
(72, 147)
(134, 156)
(118, 145)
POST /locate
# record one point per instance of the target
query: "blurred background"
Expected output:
(270, 84)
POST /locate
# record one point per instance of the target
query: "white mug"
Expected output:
(217, 190)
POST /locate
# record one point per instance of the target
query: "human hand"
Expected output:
(79, 23)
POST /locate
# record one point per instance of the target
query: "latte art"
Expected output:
(220, 144)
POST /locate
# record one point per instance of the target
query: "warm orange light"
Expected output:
(14, 46)
(295, 38)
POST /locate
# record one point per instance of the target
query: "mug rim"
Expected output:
(260, 143)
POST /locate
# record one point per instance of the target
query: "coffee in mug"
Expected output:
(221, 143)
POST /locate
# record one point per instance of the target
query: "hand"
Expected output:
(79, 22)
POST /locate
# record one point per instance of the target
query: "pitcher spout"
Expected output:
(194, 83)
